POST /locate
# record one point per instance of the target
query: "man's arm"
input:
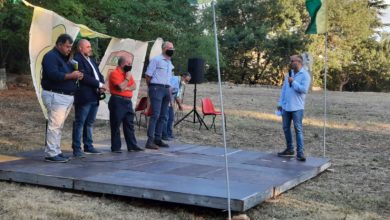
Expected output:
(50, 66)
(148, 79)
(282, 93)
(150, 71)
(89, 78)
(303, 85)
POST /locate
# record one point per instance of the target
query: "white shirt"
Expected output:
(94, 71)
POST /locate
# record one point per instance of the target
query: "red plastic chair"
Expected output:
(141, 107)
(209, 110)
(147, 113)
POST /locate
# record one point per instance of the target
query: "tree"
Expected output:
(14, 25)
(348, 35)
(257, 38)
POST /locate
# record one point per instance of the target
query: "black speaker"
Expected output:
(196, 69)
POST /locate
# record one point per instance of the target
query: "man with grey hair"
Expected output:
(292, 103)
(158, 76)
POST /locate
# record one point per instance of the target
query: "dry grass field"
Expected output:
(358, 141)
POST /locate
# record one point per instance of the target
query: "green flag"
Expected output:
(319, 18)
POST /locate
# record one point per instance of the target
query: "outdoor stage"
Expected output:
(183, 173)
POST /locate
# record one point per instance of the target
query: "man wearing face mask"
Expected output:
(292, 104)
(86, 100)
(158, 76)
(122, 85)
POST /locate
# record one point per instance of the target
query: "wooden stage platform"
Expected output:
(183, 173)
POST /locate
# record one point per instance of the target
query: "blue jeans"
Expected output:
(121, 112)
(168, 128)
(85, 116)
(296, 117)
(159, 100)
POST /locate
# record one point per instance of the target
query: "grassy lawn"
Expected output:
(358, 140)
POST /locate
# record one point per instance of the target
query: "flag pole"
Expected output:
(325, 84)
(222, 110)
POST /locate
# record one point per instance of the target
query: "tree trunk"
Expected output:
(3, 79)
(342, 84)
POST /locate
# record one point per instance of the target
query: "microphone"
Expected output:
(290, 74)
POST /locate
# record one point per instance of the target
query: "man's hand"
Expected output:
(131, 88)
(290, 79)
(128, 76)
(279, 108)
(103, 88)
(180, 107)
(75, 75)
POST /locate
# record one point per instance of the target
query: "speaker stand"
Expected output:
(195, 112)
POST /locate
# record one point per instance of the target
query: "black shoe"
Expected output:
(286, 153)
(151, 145)
(63, 156)
(136, 148)
(56, 159)
(92, 151)
(160, 143)
(116, 151)
(78, 154)
(301, 157)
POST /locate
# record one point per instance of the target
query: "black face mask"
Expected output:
(127, 68)
(169, 53)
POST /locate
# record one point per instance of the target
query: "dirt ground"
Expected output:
(356, 187)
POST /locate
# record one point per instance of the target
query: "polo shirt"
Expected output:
(117, 77)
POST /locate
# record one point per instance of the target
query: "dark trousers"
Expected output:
(85, 115)
(167, 131)
(121, 112)
(159, 100)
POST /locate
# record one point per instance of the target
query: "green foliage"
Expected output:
(14, 26)
(174, 20)
(255, 37)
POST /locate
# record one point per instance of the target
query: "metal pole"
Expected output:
(223, 112)
(325, 83)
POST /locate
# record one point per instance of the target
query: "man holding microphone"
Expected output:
(292, 104)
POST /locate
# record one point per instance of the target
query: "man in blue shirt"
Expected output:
(59, 85)
(292, 104)
(158, 76)
(177, 86)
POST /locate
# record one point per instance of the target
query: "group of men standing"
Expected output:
(78, 81)
(81, 84)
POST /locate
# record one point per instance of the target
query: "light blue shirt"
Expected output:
(175, 84)
(160, 70)
(293, 98)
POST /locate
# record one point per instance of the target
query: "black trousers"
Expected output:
(121, 112)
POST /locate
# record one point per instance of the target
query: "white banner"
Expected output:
(45, 28)
(117, 48)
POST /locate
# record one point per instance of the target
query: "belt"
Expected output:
(59, 91)
(159, 85)
(123, 97)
